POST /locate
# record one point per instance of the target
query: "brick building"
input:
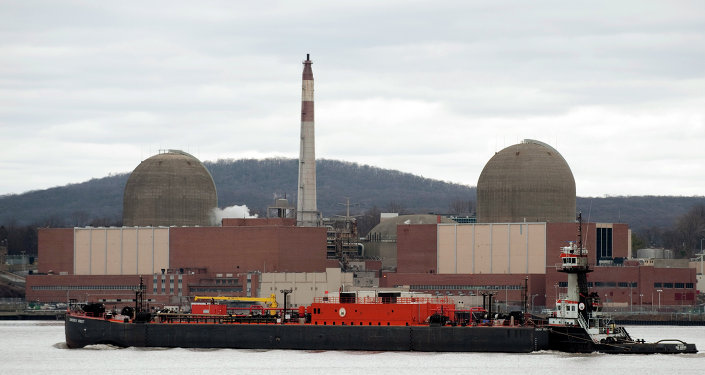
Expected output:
(174, 262)
(461, 259)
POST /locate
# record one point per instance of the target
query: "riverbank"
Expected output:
(33, 315)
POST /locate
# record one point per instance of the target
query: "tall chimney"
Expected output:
(306, 212)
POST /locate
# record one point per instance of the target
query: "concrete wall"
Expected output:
(507, 287)
(384, 250)
(120, 251)
(305, 286)
(517, 248)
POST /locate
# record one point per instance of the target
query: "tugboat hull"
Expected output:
(570, 339)
(647, 348)
(577, 340)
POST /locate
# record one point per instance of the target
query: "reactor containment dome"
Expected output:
(172, 188)
(529, 181)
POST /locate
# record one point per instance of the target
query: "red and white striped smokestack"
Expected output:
(306, 212)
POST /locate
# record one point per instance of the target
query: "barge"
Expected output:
(373, 321)
(344, 322)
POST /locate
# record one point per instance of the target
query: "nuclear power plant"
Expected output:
(526, 207)
(529, 181)
(171, 188)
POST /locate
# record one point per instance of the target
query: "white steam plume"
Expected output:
(235, 212)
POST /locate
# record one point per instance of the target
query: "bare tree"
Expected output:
(690, 229)
(79, 218)
(368, 220)
(395, 207)
(462, 207)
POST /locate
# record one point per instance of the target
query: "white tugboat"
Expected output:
(578, 323)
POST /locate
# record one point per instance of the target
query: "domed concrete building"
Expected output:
(171, 188)
(529, 181)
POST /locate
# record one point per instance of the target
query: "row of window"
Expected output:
(275, 287)
(171, 281)
(674, 285)
(206, 289)
(464, 287)
(614, 284)
(84, 287)
(227, 281)
(163, 289)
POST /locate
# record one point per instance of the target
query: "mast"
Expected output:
(575, 264)
(139, 297)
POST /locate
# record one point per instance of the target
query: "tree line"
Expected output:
(686, 237)
(661, 221)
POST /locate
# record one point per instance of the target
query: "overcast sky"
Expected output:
(434, 88)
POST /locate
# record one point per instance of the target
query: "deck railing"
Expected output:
(384, 300)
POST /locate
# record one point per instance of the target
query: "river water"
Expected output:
(38, 347)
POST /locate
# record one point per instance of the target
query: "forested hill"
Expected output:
(642, 213)
(99, 199)
(255, 183)
(250, 182)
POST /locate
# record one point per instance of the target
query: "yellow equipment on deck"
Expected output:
(270, 302)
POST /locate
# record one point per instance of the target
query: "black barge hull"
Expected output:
(82, 331)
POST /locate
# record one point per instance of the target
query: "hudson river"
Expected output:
(37, 347)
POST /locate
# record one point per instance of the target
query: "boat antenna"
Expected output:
(587, 231)
(580, 233)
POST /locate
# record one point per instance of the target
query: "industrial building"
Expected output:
(171, 188)
(173, 261)
(467, 259)
(525, 213)
(526, 182)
